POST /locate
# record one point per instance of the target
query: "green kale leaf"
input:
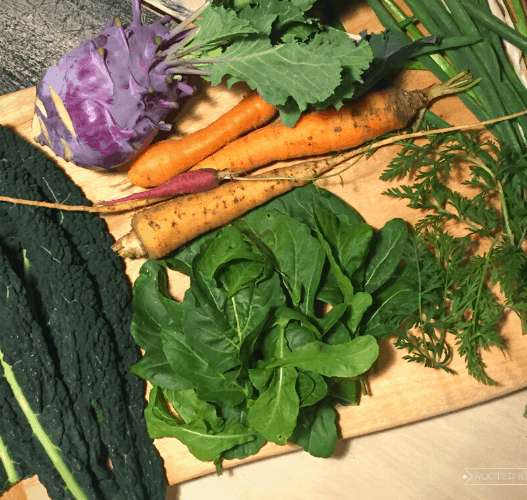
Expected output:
(277, 48)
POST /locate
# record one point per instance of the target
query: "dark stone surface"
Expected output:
(35, 34)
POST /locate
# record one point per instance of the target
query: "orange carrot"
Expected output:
(165, 159)
(160, 229)
(314, 169)
(330, 130)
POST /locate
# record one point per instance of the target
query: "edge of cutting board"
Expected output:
(401, 392)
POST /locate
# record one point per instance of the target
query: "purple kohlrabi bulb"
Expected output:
(107, 98)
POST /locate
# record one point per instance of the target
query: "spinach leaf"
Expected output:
(250, 354)
(229, 245)
(392, 304)
(341, 360)
(349, 244)
(337, 334)
(297, 335)
(209, 383)
(274, 412)
(240, 451)
(196, 435)
(153, 309)
(292, 314)
(190, 407)
(330, 319)
(335, 241)
(346, 392)
(312, 387)
(316, 431)
(387, 249)
(298, 256)
(302, 203)
(218, 326)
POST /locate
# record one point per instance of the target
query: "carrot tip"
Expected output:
(129, 245)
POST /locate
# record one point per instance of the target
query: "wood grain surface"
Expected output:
(401, 393)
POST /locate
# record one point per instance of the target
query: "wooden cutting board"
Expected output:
(401, 392)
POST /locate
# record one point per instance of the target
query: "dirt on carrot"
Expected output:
(160, 229)
(165, 159)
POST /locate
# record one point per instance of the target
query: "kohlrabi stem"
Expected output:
(183, 24)
(201, 61)
(189, 71)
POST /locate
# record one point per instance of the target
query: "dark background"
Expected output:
(35, 34)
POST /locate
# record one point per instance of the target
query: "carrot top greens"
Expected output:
(454, 275)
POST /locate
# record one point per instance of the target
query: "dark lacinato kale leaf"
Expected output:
(6, 463)
(41, 400)
(78, 350)
(14, 430)
(67, 265)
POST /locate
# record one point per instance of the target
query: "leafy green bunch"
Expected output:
(463, 284)
(282, 51)
(250, 354)
(295, 53)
